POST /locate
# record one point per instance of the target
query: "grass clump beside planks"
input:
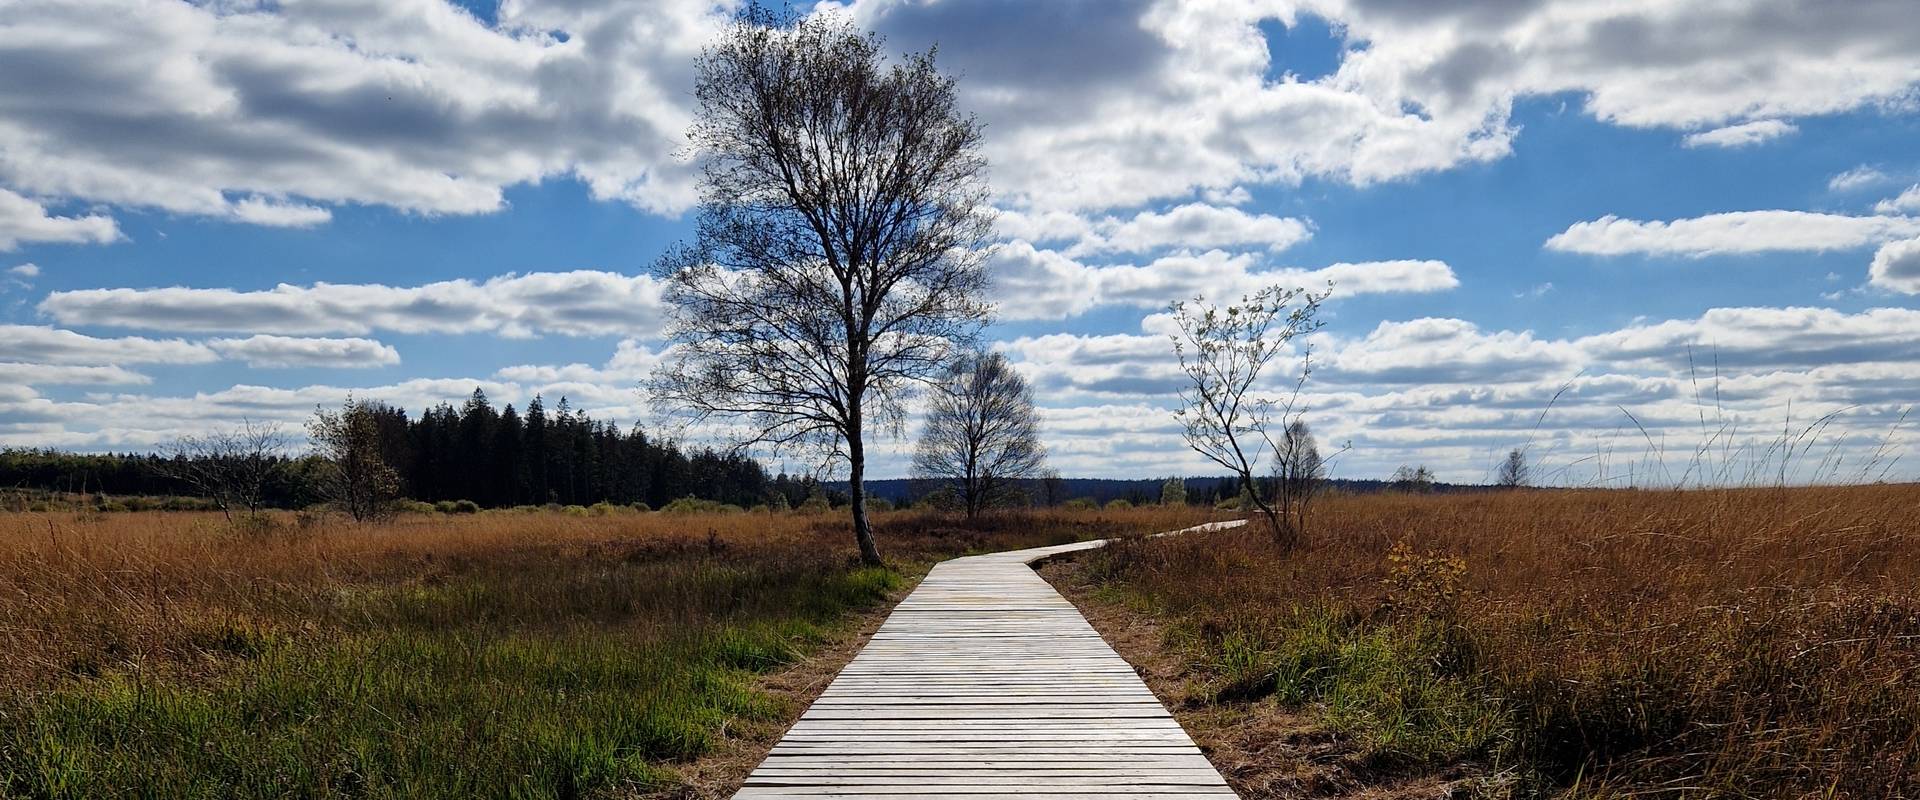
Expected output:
(493, 654)
(1739, 643)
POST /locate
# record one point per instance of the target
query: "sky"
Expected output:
(1650, 242)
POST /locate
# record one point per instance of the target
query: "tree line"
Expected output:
(494, 457)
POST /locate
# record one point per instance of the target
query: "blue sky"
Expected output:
(1513, 198)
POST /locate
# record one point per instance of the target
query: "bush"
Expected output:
(604, 508)
(414, 507)
(575, 511)
(642, 508)
(696, 505)
(465, 507)
(879, 504)
(1079, 504)
(1118, 504)
(253, 525)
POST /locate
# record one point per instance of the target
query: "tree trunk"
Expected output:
(857, 492)
(1282, 528)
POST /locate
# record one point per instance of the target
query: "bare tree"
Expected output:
(1224, 352)
(982, 436)
(231, 466)
(1418, 480)
(1514, 471)
(839, 255)
(1053, 489)
(356, 478)
(1298, 473)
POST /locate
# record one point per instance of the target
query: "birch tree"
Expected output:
(839, 255)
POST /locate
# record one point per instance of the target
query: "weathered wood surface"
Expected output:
(985, 682)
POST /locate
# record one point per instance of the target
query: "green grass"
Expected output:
(1405, 691)
(412, 706)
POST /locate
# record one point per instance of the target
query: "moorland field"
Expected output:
(1736, 643)
(1525, 643)
(522, 654)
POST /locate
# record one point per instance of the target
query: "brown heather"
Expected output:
(1736, 643)
(503, 654)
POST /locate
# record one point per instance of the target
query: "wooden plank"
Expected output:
(985, 682)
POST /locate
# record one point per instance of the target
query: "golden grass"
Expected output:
(497, 654)
(1741, 643)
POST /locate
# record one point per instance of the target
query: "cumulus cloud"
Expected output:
(264, 112)
(128, 421)
(1907, 202)
(1032, 283)
(23, 220)
(1767, 338)
(1896, 267)
(1126, 364)
(579, 303)
(1857, 178)
(260, 211)
(44, 344)
(1741, 135)
(1192, 226)
(1447, 391)
(1732, 232)
(272, 113)
(631, 363)
(286, 351)
(1439, 351)
(67, 374)
(1150, 101)
(27, 270)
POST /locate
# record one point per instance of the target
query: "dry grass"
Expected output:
(497, 654)
(1738, 643)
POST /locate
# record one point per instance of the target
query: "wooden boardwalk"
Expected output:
(985, 682)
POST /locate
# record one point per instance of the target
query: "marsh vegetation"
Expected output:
(1566, 643)
(493, 654)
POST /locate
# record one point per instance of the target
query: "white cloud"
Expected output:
(1440, 351)
(1732, 232)
(1156, 100)
(67, 374)
(1760, 338)
(1741, 135)
(1897, 267)
(1031, 283)
(1857, 178)
(28, 270)
(631, 363)
(285, 351)
(280, 215)
(1380, 277)
(272, 113)
(24, 220)
(1907, 201)
(42, 344)
(122, 421)
(1234, 196)
(1446, 392)
(579, 303)
(1124, 364)
(1192, 226)
(264, 113)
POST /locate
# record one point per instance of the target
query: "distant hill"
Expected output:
(1136, 490)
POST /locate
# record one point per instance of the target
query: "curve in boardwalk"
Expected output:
(985, 682)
